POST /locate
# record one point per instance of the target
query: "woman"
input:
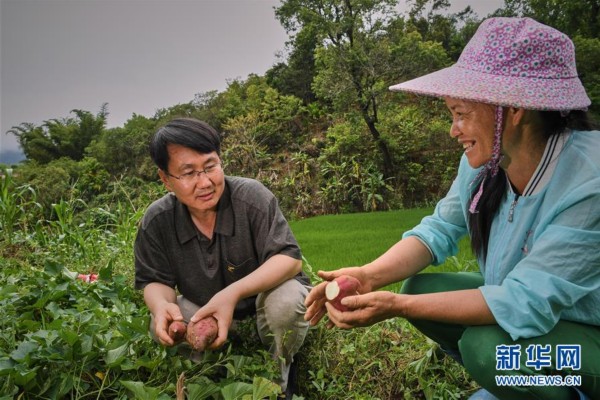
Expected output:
(528, 195)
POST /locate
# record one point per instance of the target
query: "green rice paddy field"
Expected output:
(334, 241)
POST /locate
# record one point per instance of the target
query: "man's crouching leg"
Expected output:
(280, 323)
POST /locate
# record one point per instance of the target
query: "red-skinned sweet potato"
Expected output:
(201, 334)
(177, 331)
(339, 288)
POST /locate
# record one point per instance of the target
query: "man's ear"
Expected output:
(164, 177)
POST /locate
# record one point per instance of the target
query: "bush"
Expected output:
(61, 337)
(389, 360)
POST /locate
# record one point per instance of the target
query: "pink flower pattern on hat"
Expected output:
(515, 62)
(522, 51)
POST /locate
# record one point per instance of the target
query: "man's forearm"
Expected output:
(270, 274)
(156, 294)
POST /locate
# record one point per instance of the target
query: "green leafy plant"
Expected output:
(16, 205)
(64, 338)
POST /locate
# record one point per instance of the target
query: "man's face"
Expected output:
(199, 192)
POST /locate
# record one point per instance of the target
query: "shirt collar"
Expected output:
(547, 165)
(225, 216)
(185, 228)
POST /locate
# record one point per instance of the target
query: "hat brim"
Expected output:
(523, 92)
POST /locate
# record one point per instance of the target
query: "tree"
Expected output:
(356, 58)
(433, 21)
(573, 17)
(124, 150)
(295, 77)
(587, 53)
(349, 62)
(58, 138)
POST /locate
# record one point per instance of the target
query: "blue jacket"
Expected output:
(543, 261)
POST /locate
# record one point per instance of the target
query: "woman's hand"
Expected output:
(315, 301)
(365, 309)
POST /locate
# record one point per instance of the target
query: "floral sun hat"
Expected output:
(514, 62)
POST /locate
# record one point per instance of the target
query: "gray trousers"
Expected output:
(279, 321)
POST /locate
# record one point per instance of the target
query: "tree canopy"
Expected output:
(320, 128)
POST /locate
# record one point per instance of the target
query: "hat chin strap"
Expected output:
(493, 165)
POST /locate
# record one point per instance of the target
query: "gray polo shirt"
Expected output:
(250, 229)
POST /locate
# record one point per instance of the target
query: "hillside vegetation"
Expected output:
(352, 164)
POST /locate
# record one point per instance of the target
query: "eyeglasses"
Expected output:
(188, 177)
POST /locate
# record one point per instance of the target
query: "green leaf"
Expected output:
(116, 356)
(60, 389)
(141, 391)
(53, 268)
(237, 364)
(15, 390)
(6, 366)
(87, 343)
(201, 392)
(236, 390)
(263, 387)
(106, 273)
(63, 288)
(23, 351)
(69, 336)
(7, 290)
(142, 362)
(23, 377)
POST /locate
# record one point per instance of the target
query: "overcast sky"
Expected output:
(136, 55)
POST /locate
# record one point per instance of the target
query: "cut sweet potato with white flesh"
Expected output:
(339, 288)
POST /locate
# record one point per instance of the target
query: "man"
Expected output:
(218, 246)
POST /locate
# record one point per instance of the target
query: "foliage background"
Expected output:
(320, 129)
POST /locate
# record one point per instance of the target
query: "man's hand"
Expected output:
(162, 303)
(163, 317)
(221, 307)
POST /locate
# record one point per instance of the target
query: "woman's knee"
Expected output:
(416, 284)
(441, 282)
(477, 347)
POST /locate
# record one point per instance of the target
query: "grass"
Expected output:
(330, 242)
(61, 338)
(391, 359)
(333, 241)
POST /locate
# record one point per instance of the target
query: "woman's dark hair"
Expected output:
(494, 189)
(187, 132)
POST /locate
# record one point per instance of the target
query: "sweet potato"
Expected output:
(339, 288)
(201, 334)
(177, 331)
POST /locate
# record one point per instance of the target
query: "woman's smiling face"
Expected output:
(473, 127)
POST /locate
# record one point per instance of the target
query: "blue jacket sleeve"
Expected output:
(442, 230)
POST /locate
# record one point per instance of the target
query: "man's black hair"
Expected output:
(187, 132)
